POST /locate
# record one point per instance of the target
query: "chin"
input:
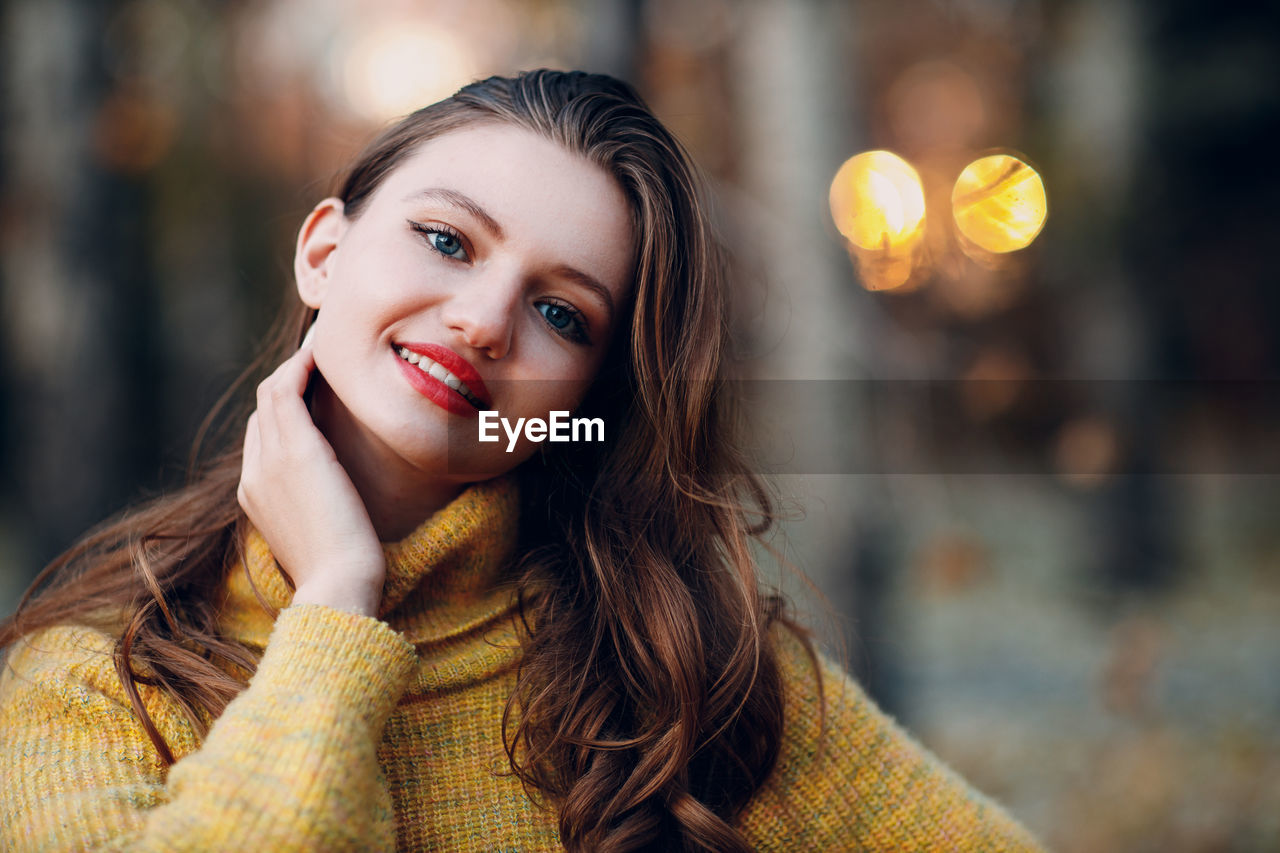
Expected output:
(461, 466)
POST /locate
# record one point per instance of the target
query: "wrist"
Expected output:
(360, 596)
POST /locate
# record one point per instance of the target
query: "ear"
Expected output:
(313, 258)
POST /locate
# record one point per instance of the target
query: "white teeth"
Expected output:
(438, 371)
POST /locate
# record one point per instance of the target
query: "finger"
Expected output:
(250, 460)
(280, 396)
(291, 377)
(252, 440)
(268, 430)
(291, 419)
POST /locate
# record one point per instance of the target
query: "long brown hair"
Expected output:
(648, 702)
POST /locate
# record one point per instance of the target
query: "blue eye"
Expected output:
(557, 316)
(444, 240)
(565, 320)
(446, 244)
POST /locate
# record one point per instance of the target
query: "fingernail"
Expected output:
(306, 339)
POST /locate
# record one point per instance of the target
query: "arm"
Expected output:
(292, 762)
(290, 765)
(860, 782)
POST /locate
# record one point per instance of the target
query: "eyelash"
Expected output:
(426, 230)
(578, 333)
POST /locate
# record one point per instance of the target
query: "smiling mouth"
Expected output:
(438, 372)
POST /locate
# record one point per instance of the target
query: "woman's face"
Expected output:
(493, 254)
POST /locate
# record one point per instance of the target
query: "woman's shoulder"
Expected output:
(80, 653)
(813, 682)
(824, 708)
(66, 675)
(849, 777)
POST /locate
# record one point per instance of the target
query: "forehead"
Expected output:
(545, 198)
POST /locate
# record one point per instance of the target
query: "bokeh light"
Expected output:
(394, 68)
(999, 203)
(1086, 450)
(877, 201)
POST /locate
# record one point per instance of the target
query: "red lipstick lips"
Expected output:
(435, 387)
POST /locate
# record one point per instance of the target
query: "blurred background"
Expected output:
(1029, 463)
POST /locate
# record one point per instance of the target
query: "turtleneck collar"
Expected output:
(446, 579)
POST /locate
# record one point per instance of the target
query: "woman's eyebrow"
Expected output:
(586, 281)
(461, 200)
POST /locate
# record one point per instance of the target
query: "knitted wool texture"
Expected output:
(385, 734)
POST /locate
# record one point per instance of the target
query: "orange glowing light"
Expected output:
(393, 68)
(877, 201)
(1086, 451)
(999, 203)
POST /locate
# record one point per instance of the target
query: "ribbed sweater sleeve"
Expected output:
(849, 778)
(291, 764)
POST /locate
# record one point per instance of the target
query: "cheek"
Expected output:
(537, 398)
(378, 275)
(557, 375)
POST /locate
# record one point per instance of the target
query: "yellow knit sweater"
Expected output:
(381, 734)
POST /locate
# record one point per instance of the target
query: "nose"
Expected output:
(483, 313)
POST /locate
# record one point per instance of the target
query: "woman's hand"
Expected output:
(300, 498)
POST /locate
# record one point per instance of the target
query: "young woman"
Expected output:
(566, 645)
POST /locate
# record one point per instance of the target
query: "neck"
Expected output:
(397, 496)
